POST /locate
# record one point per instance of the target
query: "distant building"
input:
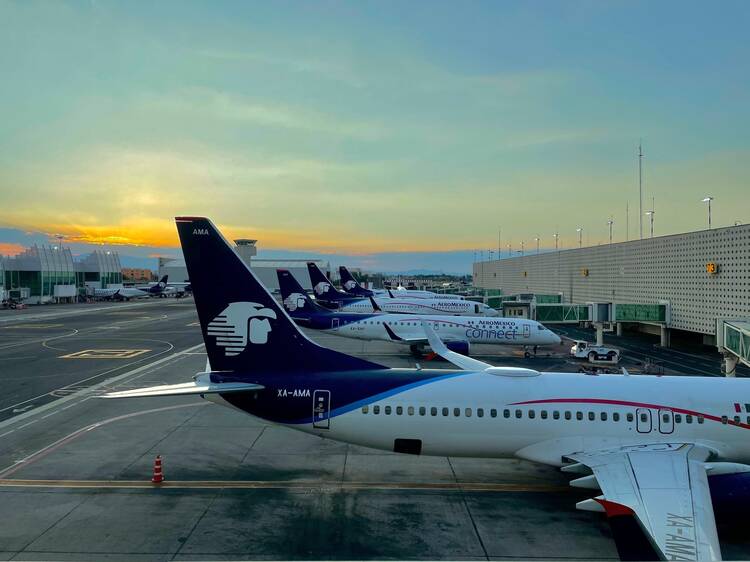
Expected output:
(43, 274)
(137, 275)
(703, 276)
(264, 269)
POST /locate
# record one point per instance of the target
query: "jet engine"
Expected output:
(461, 347)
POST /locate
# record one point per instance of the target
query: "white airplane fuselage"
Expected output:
(474, 330)
(421, 306)
(540, 418)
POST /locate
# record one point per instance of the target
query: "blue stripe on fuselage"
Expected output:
(288, 399)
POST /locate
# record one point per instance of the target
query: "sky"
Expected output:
(370, 130)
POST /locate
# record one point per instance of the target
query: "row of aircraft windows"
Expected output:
(531, 414)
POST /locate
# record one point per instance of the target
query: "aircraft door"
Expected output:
(643, 420)
(526, 331)
(666, 421)
(335, 324)
(322, 409)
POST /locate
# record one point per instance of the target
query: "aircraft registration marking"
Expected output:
(105, 354)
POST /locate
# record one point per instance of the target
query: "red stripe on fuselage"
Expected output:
(628, 403)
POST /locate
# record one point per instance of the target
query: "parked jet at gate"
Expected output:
(653, 450)
(327, 293)
(352, 287)
(458, 332)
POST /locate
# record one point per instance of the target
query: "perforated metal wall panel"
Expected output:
(666, 268)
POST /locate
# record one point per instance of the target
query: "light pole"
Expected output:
(557, 237)
(537, 244)
(509, 252)
(580, 236)
(708, 200)
(610, 222)
(521, 247)
(650, 214)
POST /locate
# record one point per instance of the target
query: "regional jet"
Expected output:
(325, 292)
(458, 332)
(656, 453)
(351, 286)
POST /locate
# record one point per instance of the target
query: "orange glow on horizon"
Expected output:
(11, 249)
(162, 234)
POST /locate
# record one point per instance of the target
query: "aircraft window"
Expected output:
(616, 416)
(493, 413)
(399, 410)
(736, 419)
(604, 416)
(748, 419)
(376, 409)
(567, 414)
(467, 412)
(456, 412)
(532, 414)
(422, 410)
(480, 413)
(644, 417)
(543, 414)
(410, 410)
(701, 419)
(724, 419)
(688, 418)
(556, 415)
(665, 418)
(445, 411)
(518, 413)
(579, 416)
(433, 411)
(506, 413)
(365, 409)
(387, 410)
(630, 417)
(592, 416)
(678, 418)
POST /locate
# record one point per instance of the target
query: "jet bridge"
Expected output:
(733, 341)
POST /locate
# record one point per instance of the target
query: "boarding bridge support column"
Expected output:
(665, 336)
(619, 328)
(730, 365)
(599, 333)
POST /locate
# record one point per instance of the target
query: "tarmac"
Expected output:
(75, 469)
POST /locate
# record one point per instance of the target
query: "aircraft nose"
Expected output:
(556, 340)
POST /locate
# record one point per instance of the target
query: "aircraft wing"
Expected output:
(395, 337)
(462, 361)
(661, 489)
(185, 389)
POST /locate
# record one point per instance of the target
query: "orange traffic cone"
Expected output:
(158, 476)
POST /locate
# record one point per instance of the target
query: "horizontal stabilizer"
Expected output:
(185, 389)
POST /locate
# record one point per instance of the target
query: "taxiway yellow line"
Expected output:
(286, 485)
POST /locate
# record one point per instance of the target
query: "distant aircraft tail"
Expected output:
(163, 281)
(322, 286)
(350, 284)
(295, 299)
(245, 330)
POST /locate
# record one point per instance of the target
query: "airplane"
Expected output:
(458, 332)
(326, 293)
(351, 286)
(120, 293)
(160, 289)
(653, 450)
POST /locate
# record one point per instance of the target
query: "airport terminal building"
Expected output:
(688, 282)
(42, 274)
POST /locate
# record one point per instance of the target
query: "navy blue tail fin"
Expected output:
(350, 284)
(322, 286)
(246, 331)
(295, 299)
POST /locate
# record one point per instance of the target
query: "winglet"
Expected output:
(391, 333)
(437, 345)
(375, 305)
(390, 294)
